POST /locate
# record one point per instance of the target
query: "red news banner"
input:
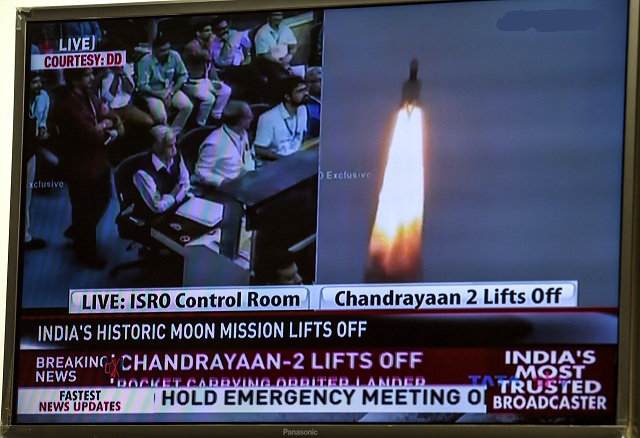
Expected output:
(557, 381)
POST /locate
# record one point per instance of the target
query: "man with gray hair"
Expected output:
(314, 81)
(163, 179)
(226, 153)
(314, 85)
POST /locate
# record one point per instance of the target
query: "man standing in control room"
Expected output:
(87, 133)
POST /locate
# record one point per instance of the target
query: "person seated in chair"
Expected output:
(161, 75)
(275, 46)
(278, 267)
(231, 52)
(163, 179)
(282, 129)
(229, 46)
(226, 153)
(117, 88)
(314, 102)
(203, 83)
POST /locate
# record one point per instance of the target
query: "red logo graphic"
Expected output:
(111, 368)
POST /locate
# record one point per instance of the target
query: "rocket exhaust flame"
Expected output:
(396, 239)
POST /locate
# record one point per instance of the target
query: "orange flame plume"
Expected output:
(396, 239)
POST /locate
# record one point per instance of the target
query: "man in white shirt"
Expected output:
(275, 46)
(163, 179)
(203, 83)
(117, 86)
(281, 130)
(226, 154)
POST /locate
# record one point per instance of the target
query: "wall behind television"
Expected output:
(7, 56)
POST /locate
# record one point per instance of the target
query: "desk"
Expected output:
(231, 219)
(280, 202)
(274, 178)
(203, 266)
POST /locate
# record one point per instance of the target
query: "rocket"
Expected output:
(395, 247)
(411, 88)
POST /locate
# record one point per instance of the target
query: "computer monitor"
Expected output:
(324, 218)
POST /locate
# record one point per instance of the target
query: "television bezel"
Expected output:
(628, 406)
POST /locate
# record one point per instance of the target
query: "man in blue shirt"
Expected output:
(314, 85)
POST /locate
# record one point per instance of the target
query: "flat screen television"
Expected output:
(324, 218)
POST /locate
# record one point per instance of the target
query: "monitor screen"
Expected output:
(388, 214)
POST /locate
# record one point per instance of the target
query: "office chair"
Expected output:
(129, 227)
(257, 109)
(189, 145)
(260, 89)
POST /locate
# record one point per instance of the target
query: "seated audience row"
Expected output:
(165, 84)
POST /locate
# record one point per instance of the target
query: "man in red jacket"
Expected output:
(86, 133)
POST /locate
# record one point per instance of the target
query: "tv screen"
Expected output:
(320, 215)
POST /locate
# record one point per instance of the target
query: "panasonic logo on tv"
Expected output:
(299, 432)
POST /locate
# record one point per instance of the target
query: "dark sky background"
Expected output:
(526, 141)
